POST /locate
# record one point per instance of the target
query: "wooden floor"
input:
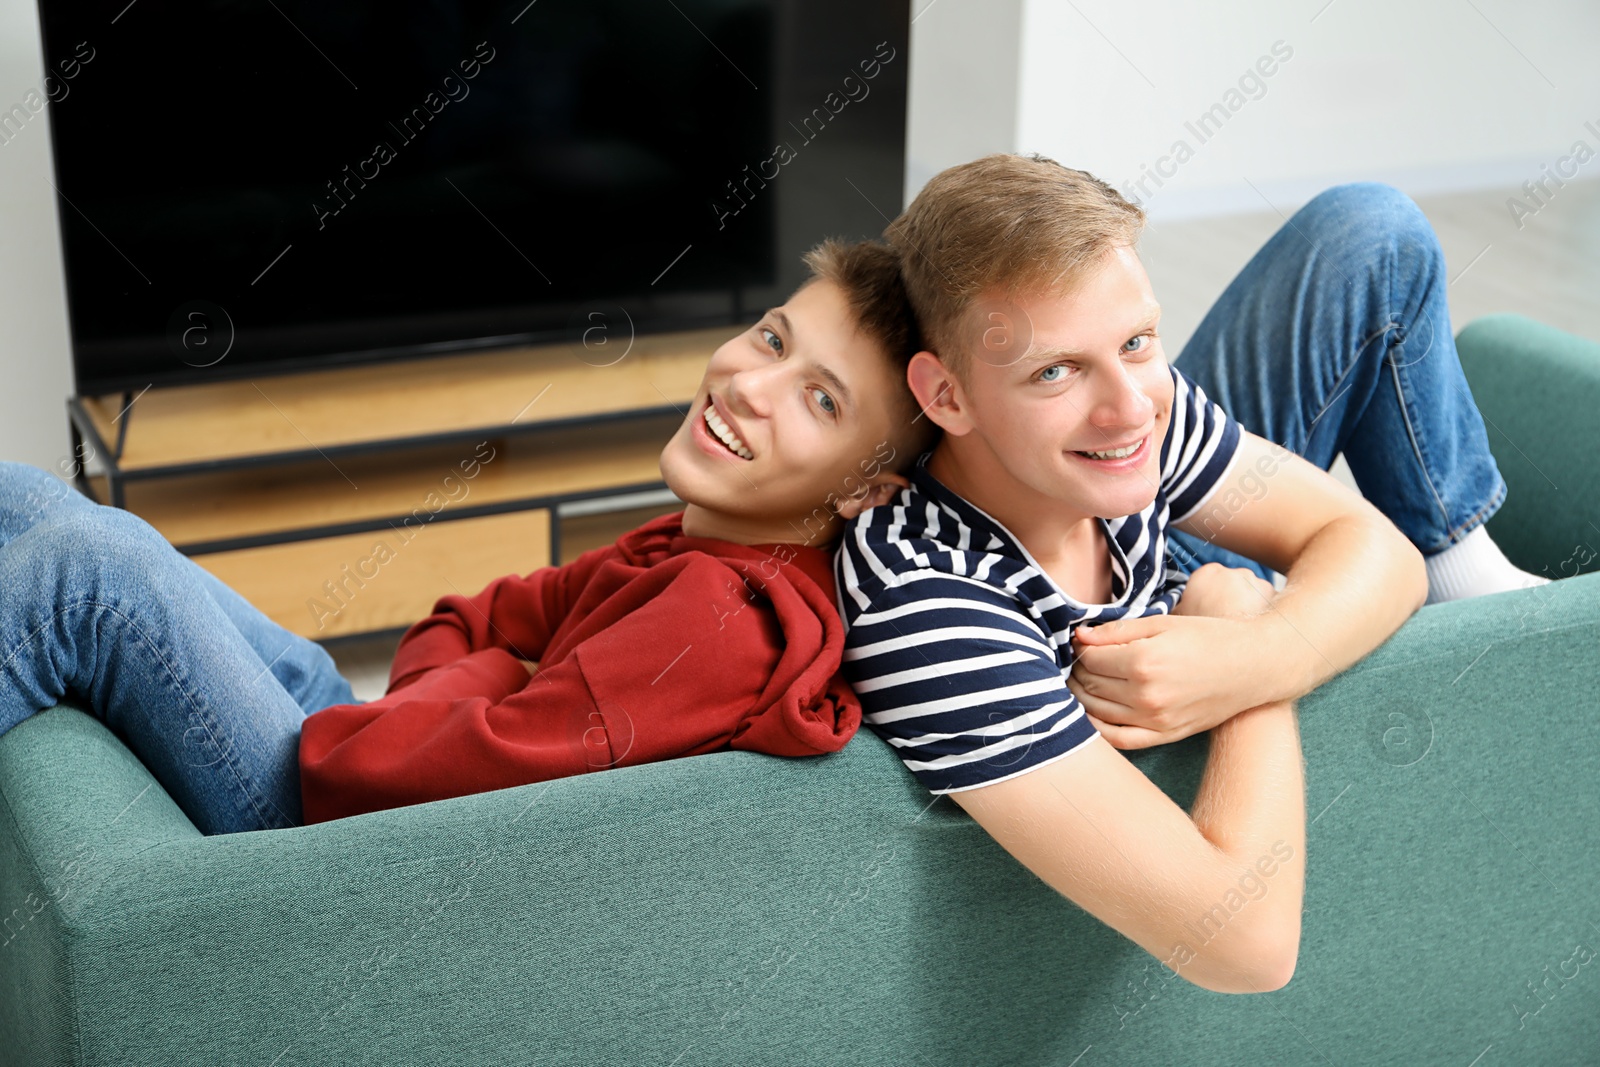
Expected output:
(1549, 269)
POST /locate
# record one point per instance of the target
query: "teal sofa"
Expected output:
(737, 908)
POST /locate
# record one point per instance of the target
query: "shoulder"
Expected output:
(1192, 409)
(1200, 441)
(911, 546)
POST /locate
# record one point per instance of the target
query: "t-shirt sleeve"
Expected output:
(960, 682)
(1201, 444)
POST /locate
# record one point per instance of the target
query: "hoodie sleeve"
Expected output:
(476, 724)
(516, 614)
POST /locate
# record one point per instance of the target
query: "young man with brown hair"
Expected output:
(1018, 600)
(706, 629)
(711, 628)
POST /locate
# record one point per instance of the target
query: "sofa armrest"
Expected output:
(81, 788)
(74, 805)
(1539, 389)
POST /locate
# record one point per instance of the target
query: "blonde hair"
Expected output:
(1007, 223)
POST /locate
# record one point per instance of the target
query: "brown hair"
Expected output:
(868, 273)
(1004, 222)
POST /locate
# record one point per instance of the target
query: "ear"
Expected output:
(884, 488)
(938, 393)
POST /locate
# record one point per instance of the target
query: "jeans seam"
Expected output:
(1350, 365)
(1416, 446)
(208, 721)
(1452, 534)
(229, 754)
(222, 743)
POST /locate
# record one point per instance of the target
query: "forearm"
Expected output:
(1251, 806)
(1355, 584)
(514, 614)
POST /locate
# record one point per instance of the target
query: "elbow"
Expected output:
(1411, 569)
(1278, 966)
(1407, 570)
(1266, 967)
(1417, 570)
(1274, 962)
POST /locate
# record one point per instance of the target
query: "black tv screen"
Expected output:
(258, 186)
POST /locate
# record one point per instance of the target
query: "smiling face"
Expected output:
(1077, 373)
(793, 425)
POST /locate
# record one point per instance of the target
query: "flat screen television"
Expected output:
(254, 187)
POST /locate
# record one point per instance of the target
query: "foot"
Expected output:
(1474, 566)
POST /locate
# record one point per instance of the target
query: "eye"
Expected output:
(775, 343)
(824, 401)
(1147, 338)
(1047, 377)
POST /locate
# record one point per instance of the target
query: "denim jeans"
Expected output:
(1336, 337)
(201, 686)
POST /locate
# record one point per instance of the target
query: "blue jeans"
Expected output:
(201, 686)
(1336, 337)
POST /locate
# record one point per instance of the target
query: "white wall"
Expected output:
(35, 354)
(1430, 95)
(963, 84)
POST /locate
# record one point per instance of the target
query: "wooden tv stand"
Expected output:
(346, 501)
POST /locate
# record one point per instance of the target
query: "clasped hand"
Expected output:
(1158, 679)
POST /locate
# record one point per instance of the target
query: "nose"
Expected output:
(750, 390)
(1119, 404)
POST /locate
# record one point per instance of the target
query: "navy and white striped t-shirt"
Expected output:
(959, 645)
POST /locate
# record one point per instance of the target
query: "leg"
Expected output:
(99, 605)
(1336, 337)
(29, 495)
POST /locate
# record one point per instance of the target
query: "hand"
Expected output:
(1160, 678)
(1225, 592)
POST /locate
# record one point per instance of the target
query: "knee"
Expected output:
(20, 481)
(1373, 203)
(113, 538)
(1364, 220)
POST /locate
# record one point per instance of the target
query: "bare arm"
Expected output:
(1216, 893)
(1251, 805)
(1355, 584)
(1353, 577)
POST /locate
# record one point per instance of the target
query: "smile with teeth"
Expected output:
(1115, 453)
(720, 430)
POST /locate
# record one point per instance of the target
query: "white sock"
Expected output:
(1474, 566)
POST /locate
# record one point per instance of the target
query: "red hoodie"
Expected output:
(658, 646)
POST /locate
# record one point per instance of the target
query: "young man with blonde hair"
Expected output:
(1075, 558)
